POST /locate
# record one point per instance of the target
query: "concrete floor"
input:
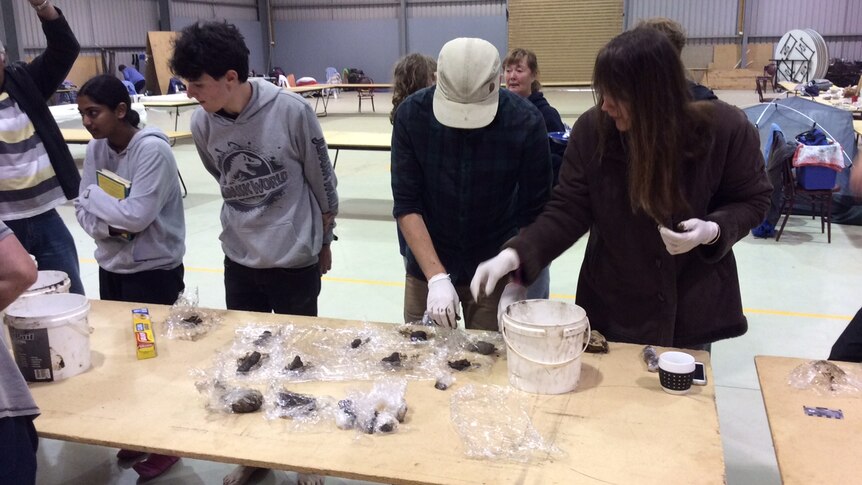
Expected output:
(799, 294)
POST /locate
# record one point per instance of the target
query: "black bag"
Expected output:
(354, 75)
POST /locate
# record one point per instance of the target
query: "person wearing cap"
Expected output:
(37, 172)
(665, 187)
(470, 165)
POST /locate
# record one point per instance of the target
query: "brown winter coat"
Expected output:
(632, 289)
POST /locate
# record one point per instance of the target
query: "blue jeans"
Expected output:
(541, 288)
(46, 237)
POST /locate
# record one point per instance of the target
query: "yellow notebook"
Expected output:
(116, 187)
(113, 184)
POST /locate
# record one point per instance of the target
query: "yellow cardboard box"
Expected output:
(144, 338)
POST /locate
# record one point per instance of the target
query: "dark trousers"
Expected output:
(157, 286)
(140, 85)
(46, 237)
(18, 445)
(848, 347)
(279, 290)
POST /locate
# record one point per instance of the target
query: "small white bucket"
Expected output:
(545, 340)
(50, 335)
(49, 282)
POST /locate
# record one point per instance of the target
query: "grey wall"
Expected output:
(428, 34)
(308, 47)
(250, 29)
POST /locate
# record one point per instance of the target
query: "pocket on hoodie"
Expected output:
(271, 244)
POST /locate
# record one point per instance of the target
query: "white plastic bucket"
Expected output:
(545, 340)
(50, 335)
(49, 282)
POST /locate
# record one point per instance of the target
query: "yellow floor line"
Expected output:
(557, 296)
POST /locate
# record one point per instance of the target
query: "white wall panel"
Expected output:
(700, 18)
(96, 23)
(213, 11)
(772, 18)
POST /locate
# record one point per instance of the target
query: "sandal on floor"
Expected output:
(155, 465)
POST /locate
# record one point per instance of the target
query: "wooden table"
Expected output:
(809, 449)
(357, 140)
(790, 87)
(81, 136)
(618, 427)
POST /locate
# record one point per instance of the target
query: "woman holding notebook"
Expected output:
(130, 203)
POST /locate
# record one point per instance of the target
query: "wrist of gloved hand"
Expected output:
(442, 303)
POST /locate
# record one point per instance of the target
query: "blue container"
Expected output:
(816, 178)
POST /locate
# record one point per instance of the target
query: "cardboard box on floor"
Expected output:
(723, 71)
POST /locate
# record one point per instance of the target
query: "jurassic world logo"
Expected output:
(250, 180)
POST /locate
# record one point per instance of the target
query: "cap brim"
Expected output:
(467, 116)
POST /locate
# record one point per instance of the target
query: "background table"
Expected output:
(618, 427)
(809, 449)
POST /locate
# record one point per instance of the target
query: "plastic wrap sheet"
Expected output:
(187, 321)
(225, 396)
(381, 409)
(493, 424)
(827, 378)
(302, 410)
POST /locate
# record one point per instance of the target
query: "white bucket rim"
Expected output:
(48, 278)
(46, 311)
(580, 315)
(530, 329)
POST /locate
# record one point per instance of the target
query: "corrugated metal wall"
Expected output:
(838, 21)
(419, 9)
(96, 23)
(223, 9)
(702, 19)
(383, 9)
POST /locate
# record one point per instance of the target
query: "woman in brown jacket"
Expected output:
(665, 186)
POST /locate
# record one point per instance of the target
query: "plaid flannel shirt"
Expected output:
(473, 188)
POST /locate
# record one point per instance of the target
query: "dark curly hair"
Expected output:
(109, 91)
(412, 73)
(211, 48)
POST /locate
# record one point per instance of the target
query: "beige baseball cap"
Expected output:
(468, 83)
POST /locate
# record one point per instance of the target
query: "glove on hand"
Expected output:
(442, 303)
(512, 293)
(693, 233)
(491, 271)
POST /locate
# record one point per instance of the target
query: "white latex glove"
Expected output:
(491, 271)
(692, 233)
(511, 293)
(442, 304)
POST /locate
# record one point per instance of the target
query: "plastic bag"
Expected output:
(493, 424)
(826, 378)
(186, 321)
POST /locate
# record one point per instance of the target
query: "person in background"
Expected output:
(470, 165)
(140, 240)
(133, 76)
(37, 172)
(522, 71)
(412, 73)
(265, 147)
(676, 34)
(665, 187)
(18, 439)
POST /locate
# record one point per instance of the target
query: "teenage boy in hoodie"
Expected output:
(265, 148)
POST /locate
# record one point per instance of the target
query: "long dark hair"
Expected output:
(412, 73)
(642, 69)
(109, 91)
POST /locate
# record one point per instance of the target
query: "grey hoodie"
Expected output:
(276, 179)
(153, 211)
